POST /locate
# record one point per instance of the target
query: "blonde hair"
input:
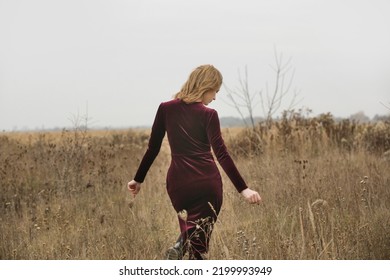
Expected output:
(203, 79)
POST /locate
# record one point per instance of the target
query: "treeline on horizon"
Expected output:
(226, 121)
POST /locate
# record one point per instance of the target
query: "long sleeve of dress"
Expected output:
(155, 140)
(220, 151)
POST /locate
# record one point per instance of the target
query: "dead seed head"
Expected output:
(183, 215)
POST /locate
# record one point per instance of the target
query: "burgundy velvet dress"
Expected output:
(193, 179)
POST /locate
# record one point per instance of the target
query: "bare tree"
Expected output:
(242, 99)
(284, 75)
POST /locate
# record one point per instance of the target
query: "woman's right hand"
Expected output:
(251, 196)
(134, 187)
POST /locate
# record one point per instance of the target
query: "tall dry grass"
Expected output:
(325, 189)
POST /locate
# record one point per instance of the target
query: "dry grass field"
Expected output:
(325, 189)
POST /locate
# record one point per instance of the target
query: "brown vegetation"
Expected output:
(325, 189)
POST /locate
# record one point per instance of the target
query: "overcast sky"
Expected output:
(122, 58)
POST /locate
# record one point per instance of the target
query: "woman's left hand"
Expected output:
(134, 187)
(251, 196)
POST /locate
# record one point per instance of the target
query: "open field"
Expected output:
(325, 189)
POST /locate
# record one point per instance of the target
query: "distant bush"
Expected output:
(294, 132)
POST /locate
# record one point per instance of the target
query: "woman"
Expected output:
(194, 183)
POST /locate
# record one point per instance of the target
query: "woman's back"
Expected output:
(186, 126)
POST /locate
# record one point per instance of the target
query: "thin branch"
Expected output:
(385, 105)
(235, 104)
